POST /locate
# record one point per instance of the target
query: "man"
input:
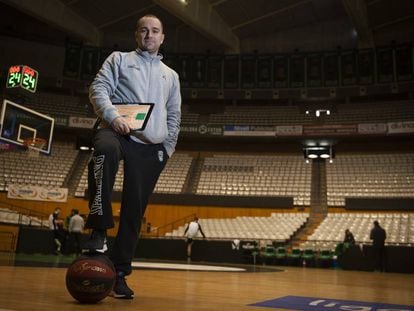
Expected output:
(191, 232)
(54, 223)
(349, 237)
(76, 225)
(67, 219)
(378, 237)
(134, 77)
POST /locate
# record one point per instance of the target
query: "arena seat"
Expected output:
(278, 227)
(47, 171)
(370, 176)
(349, 113)
(399, 228)
(248, 175)
(171, 180)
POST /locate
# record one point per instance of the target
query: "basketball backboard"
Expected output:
(19, 124)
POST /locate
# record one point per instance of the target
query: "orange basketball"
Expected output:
(90, 279)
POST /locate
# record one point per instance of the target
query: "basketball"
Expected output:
(90, 279)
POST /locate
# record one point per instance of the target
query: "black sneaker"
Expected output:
(121, 289)
(96, 243)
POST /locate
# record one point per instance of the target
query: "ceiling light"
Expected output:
(318, 152)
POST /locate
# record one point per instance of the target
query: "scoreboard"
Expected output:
(22, 76)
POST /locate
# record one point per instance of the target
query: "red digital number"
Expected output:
(28, 70)
(14, 69)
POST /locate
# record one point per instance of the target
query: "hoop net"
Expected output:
(33, 145)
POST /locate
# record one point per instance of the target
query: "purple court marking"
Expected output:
(320, 304)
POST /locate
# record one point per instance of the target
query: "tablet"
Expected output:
(137, 115)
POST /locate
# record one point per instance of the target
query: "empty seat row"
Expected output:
(274, 228)
(399, 228)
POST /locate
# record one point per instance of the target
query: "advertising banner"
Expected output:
(264, 71)
(372, 128)
(401, 127)
(404, 62)
(80, 122)
(385, 71)
(247, 130)
(348, 68)
(289, 130)
(314, 70)
(316, 130)
(90, 62)
(184, 70)
(71, 65)
(231, 71)
(297, 70)
(202, 129)
(366, 71)
(248, 71)
(37, 193)
(280, 71)
(330, 69)
(198, 71)
(214, 71)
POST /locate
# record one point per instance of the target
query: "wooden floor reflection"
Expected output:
(43, 288)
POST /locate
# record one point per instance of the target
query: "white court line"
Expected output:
(174, 266)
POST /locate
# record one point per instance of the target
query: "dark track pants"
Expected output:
(143, 165)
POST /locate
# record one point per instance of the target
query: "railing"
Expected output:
(23, 211)
(162, 230)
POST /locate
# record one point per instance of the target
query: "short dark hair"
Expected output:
(376, 223)
(151, 16)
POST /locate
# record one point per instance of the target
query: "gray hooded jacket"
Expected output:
(139, 77)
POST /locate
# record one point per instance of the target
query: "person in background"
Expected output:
(191, 232)
(67, 219)
(133, 77)
(76, 225)
(349, 237)
(65, 232)
(54, 226)
(378, 236)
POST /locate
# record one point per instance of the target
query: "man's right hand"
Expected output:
(120, 125)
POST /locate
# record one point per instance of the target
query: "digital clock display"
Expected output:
(22, 76)
(14, 77)
(29, 79)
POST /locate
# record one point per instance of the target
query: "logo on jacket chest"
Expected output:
(160, 155)
(134, 67)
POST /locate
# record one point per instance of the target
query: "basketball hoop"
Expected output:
(33, 146)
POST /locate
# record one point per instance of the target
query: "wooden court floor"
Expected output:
(43, 288)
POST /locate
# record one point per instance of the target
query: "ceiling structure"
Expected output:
(225, 26)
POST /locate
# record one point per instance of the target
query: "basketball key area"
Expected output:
(37, 282)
